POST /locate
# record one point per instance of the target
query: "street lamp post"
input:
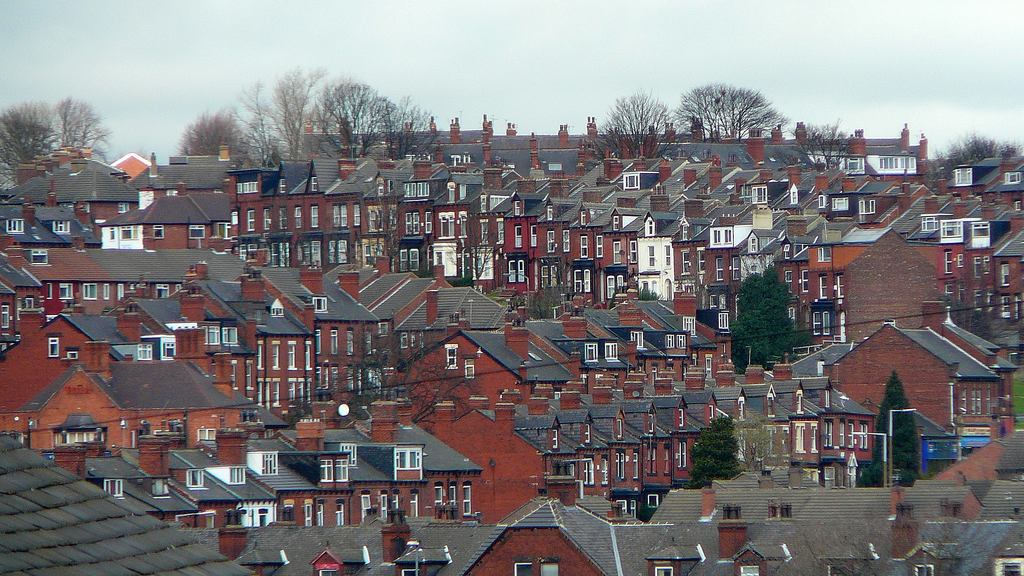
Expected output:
(885, 446)
(892, 461)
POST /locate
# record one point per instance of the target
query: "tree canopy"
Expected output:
(906, 445)
(636, 126)
(714, 453)
(719, 111)
(974, 147)
(762, 330)
(204, 136)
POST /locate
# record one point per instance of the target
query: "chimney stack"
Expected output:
(384, 422)
(517, 338)
(755, 146)
(905, 139)
(97, 356)
(222, 374)
(732, 532)
(309, 435)
(154, 455)
(349, 283)
(231, 446)
(563, 136)
(454, 132)
(858, 145)
(801, 134)
(71, 457)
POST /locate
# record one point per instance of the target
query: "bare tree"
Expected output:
(204, 136)
(636, 126)
(351, 116)
(758, 445)
(826, 145)
(79, 124)
(262, 141)
(292, 104)
(974, 147)
(406, 129)
(721, 110)
(26, 130)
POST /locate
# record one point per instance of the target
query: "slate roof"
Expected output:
(949, 353)
(52, 522)
(543, 368)
(190, 209)
(95, 182)
(163, 265)
(197, 172)
(482, 312)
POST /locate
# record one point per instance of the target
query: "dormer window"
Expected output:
(320, 303)
(276, 309)
(794, 195)
(963, 177)
(590, 352)
(824, 254)
(1011, 178)
(194, 478)
(237, 475)
(855, 165)
(16, 226)
(741, 403)
(619, 428)
(630, 181)
(583, 217)
(822, 201)
(770, 403)
(314, 186)
(586, 433)
(649, 227)
(611, 351)
(282, 186)
(114, 486)
(682, 418)
(799, 401)
(554, 439)
(753, 245)
(408, 458)
(759, 195)
(616, 222)
(650, 423)
(638, 337)
(40, 256)
(61, 227)
(269, 467)
(929, 223)
(952, 230)
(517, 208)
(550, 212)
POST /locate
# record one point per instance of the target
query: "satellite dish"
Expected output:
(343, 410)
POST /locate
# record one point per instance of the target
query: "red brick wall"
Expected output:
(518, 470)
(888, 280)
(531, 545)
(862, 373)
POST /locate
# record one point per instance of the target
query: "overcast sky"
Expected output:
(943, 67)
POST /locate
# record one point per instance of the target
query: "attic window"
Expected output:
(282, 186)
(314, 186)
(40, 256)
(15, 226)
(276, 309)
(517, 208)
(61, 227)
(929, 223)
(115, 486)
(320, 303)
(631, 182)
(194, 478)
(1011, 178)
(759, 195)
